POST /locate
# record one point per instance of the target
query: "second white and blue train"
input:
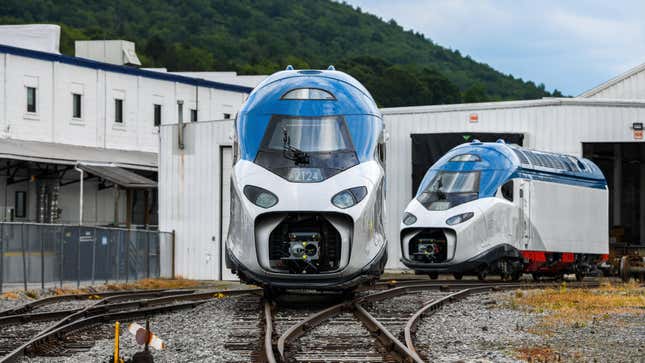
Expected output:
(493, 208)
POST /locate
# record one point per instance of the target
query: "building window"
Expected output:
(20, 205)
(157, 115)
(76, 105)
(118, 111)
(31, 99)
(227, 116)
(193, 115)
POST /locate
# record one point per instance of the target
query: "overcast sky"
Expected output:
(569, 45)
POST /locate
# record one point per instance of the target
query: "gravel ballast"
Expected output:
(481, 328)
(196, 335)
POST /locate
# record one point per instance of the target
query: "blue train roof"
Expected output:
(499, 155)
(351, 98)
(348, 98)
(499, 162)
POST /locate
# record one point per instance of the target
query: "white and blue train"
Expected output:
(307, 197)
(494, 208)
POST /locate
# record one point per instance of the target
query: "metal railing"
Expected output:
(55, 254)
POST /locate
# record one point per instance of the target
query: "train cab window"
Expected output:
(306, 149)
(308, 94)
(507, 190)
(448, 189)
(465, 158)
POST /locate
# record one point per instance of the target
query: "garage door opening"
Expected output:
(624, 167)
(428, 148)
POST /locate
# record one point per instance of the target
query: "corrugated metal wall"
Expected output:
(189, 180)
(632, 87)
(189, 195)
(559, 126)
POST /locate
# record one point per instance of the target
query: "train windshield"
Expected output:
(306, 149)
(325, 134)
(448, 189)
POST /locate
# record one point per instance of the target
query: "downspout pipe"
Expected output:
(80, 197)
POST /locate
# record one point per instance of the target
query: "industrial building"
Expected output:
(93, 117)
(604, 124)
(79, 142)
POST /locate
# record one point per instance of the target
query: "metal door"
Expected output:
(226, 168)
(525, 210)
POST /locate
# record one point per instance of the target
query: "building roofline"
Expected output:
(88, 63)
(513, 104)
(613, 81)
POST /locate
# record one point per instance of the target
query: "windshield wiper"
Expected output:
(291, 152)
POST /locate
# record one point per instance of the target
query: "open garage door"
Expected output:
(624, 167)
(428, 148)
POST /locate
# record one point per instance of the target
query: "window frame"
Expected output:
(80, 106)
(193, 115)
(35, 100)
(157, 114)
(118, 111)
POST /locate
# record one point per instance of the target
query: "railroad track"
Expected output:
(338, 332)
(76, 329)
(49, 301)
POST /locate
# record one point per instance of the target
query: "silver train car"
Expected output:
(307, 196)
(493, 208)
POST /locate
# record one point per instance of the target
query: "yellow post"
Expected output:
(116, 342)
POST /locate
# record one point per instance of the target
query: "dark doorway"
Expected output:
(428, 148)
(623, 165)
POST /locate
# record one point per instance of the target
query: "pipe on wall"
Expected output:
(80, 197)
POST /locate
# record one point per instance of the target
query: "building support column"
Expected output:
(128, 211)
(618, 184)
(117, 195)
(80, 197)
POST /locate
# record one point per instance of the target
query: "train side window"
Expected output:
(507, 190)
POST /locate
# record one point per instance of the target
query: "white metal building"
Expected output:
(194, 189)
(96, 108)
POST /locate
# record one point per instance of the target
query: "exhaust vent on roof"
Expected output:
(119, 52)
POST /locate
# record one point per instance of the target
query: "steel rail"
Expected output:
(174, 296)
(268, 333)
(102, 304)
(434, 305)
(194, 300)
(393, 346)
(299, 329)
(58, 298)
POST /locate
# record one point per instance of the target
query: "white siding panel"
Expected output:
(189, 195)
(629, 88)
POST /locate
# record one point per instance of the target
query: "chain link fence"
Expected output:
(53, 255)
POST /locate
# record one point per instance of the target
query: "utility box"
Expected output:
(119, 52)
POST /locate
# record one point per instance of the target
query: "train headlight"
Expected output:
(349, 197)
(260, 197)
(409, 218)
(459, 218)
